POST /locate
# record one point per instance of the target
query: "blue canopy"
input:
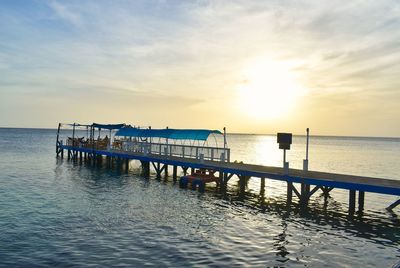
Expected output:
(177, 134)
(108, 126)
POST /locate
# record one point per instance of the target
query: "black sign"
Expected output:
(284, 140)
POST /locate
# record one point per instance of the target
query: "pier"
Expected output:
(188, 150)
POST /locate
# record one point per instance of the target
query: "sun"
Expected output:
(268, 90)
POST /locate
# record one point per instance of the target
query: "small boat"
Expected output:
(198, 179)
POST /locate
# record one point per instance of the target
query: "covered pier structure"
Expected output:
(190, 149)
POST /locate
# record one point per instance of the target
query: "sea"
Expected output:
(59, 213)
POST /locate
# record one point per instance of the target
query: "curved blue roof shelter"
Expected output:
(177, 134)
(108, 126)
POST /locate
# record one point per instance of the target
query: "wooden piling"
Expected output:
(126, 165)
(289, 192)
(184, 170)
(165, 171)
(145, 168)
(361, 195)
(352, 201)
(158, 171)
(304, 195)
(262, 188)
(242, 185)
(174, 173)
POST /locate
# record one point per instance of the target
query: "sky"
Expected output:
(249, 66)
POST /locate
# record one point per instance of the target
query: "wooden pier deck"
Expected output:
(323, 181)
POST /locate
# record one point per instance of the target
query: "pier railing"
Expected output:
(177, 150)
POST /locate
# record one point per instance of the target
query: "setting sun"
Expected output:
(268, 90)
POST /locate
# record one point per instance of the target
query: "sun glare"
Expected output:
(268, 90)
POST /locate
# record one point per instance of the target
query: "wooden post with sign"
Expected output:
(284, 140)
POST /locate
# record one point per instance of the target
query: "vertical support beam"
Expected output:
(62, 153)
(224, 182)
(174, 172)
(165, 171)
(126, 164)
(145, 168)
(100, 159)
(158, 171)
(352, 201)
(361, 195)
(69, 154)
(242, 185)
(184, 170)
(57, 141)
(289, 192)
(305, 195)
(220, 180)
(73, 135)
(262, 188)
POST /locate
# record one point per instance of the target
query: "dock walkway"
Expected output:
(323, 181)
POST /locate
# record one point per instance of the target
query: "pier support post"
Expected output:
(174, 173)
(184, 170)
(69, 154)
(145, 168)
(158, 171)
(361, 195)
(326, 190)
(289, 192)
(165, 171)
(126, 165)
(99, 159)
(262, 186)
(262, 190)
(242, 185)
(224, 177)
(304, 195)
(352, 201)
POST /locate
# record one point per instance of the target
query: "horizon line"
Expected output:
(239, 133)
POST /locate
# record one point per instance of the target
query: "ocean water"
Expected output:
(54, 212)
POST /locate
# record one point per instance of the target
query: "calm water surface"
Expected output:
(57, 213)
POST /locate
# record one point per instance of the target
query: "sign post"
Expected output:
(285, 140)
(305, 161)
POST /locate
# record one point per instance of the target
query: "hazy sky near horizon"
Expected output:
(252, 66)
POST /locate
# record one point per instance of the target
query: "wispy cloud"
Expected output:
(192, 53)
(65, 13)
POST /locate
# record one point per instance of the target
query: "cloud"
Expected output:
(65, 13)
(156, 52)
